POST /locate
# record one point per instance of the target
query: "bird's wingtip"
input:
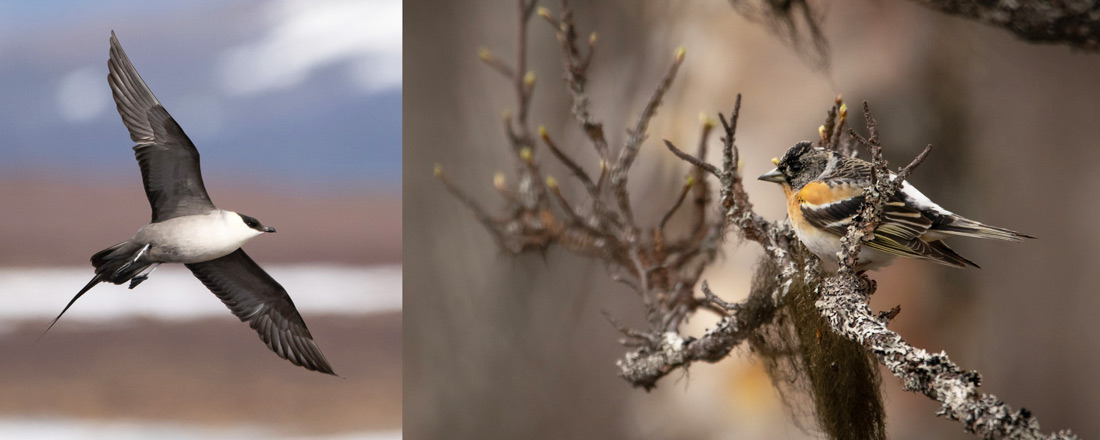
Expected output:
(325, 369)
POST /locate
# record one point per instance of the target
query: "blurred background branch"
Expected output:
(1075, 24)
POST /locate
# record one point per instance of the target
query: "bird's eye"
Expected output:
(795, 167)
(249, 221)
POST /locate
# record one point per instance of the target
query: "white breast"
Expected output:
(196, 238)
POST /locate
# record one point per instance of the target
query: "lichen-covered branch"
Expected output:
(671, 351)
(844, 304)
(875, 197)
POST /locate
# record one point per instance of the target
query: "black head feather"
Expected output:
(802, 163)
(251, 222)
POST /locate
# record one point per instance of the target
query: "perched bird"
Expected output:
(187, 228)
(825, 190)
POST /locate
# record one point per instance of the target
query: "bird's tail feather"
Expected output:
(970, 228)
(940, 253)
(108, 254)
(116, 264)
(121, 262)
(95, 280)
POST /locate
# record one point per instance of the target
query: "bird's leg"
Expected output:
(132, 261)
(144, 275)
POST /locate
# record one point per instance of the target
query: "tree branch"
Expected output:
(1073, 23)
(844, 304)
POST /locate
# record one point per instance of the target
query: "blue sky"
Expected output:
(309, 91)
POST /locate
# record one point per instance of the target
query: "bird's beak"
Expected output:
(773, 176)
(268, 229)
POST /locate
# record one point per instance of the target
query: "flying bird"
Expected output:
(825, 191)
(187, 228)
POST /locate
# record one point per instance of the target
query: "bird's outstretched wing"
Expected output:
(256, 298)
(169, 161)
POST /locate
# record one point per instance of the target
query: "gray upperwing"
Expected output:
(132, 96)
(169, 161)
(254, 297)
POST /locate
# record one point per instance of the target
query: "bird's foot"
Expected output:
(144, 275)
(137, 280)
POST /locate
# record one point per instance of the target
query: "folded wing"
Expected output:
(899, 233)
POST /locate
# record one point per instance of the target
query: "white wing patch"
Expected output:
(922, 201)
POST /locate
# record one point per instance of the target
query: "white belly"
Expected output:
(196, 238)
(826, 246)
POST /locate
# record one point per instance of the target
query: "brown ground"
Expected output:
(208, 372)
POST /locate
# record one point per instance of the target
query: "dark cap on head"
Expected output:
(255, 224)
(798, 166)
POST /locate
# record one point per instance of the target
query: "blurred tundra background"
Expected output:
(499, 346)
(295, 107)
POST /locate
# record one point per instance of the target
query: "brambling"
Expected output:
(825, 191)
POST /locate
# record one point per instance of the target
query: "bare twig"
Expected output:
(569, 163)
(622, 165)
(461, 196)
(693, 160)
(552, 183)
(702, 189)
(576, 66)
(679, 201)
(489, 59)
(714, 299)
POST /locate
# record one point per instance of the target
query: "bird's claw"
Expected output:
(137, 280)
